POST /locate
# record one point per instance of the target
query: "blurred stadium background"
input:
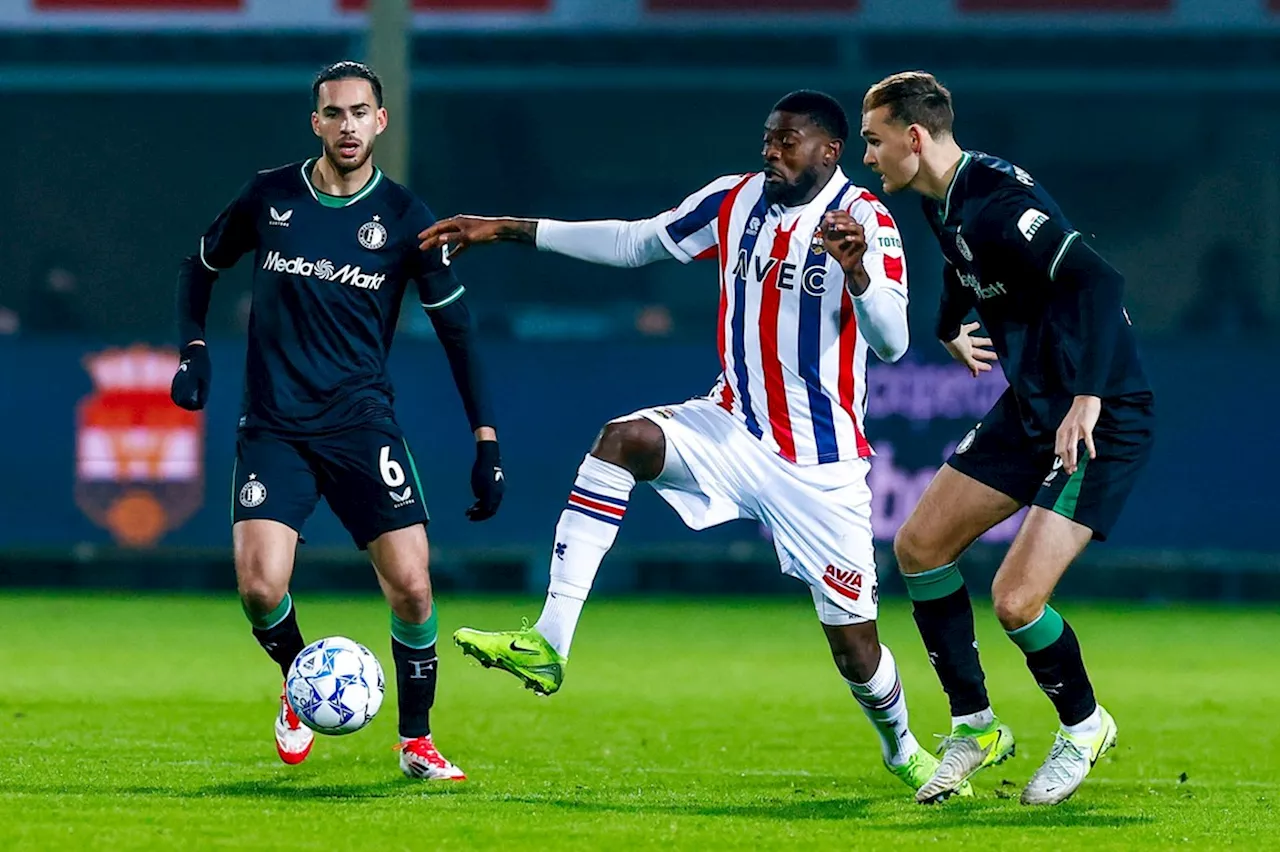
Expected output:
(131, 122)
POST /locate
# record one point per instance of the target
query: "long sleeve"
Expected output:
(882, 318)
(1097, 291)
(881, 309)
(957, 301)
(229, 238)
(611, 242)
(687, 232)
(453, 326)
(195, 289)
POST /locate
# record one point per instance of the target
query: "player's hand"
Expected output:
(190, 387)
(1077, 426)
(974, 352)
(487, 481)
(845, 240)
(460, 232)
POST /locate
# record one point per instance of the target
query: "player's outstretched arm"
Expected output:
(610, 242)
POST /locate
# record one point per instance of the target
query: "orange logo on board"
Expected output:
(139, 458)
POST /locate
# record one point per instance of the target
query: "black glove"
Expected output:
(190, 388)
(487, 481)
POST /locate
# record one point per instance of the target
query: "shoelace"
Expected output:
(424, 749)
(948, 742)
(1054, 766)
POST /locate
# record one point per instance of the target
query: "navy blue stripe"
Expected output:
(617, 522)
(603, 499)
(748, 246)
(810, 348)
(697, 218)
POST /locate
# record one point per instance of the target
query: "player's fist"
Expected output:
(845, 240)
(190, 388)
(487, 481)
(456, 233)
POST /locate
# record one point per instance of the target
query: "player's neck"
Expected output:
(938, 167)
(327, 179)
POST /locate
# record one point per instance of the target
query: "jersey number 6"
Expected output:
(392, 472)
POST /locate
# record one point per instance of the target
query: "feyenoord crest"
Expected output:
(372, 235)
(139, 458)
(964, 248)
(254, 493)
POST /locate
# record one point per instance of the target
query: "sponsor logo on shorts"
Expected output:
(965, 252)
(254, 493)
(1057, 465)
(402, 498)
(846, 581)
(967, 441)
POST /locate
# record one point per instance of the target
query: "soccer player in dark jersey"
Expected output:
(1068, 438)
(334, 243)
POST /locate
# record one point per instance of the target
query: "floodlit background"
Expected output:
(130, 123)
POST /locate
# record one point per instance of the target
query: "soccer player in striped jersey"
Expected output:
(1052, 310)
(811, 276)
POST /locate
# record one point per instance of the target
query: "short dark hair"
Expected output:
(822, 109)
(914, 97)
(347, 69)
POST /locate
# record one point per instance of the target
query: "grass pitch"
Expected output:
(145, 723)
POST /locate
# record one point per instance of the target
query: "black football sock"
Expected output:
(1053, 656)
(944, 615)
(413, 647)
(277, 632)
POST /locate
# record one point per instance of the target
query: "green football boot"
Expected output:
(919, 768)
(523, 652)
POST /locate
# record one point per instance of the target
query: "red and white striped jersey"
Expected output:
(793, 359)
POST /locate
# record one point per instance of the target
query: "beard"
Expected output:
(791, 193)
(343, 165)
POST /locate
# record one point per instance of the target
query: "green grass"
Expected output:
(130, 723)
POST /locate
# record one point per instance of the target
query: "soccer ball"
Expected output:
(335, 686)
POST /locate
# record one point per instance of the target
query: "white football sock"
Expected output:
(980, 720)
(885, 704)
(586, 530)
(1087, 727)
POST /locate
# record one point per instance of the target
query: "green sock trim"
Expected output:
(271, 619)
(1039, 634)
(934, 584)
(415, 635)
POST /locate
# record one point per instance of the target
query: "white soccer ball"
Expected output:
(335, 686)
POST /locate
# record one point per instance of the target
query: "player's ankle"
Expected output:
(979, 721)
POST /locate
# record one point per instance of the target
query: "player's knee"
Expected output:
(260, 594)
(411, 599)
(1015, 607)
(855, 650)
(910, 549)
(637, 445)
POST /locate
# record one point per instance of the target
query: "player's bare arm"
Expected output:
(460, 232)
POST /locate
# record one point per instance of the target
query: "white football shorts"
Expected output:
(819, 515)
